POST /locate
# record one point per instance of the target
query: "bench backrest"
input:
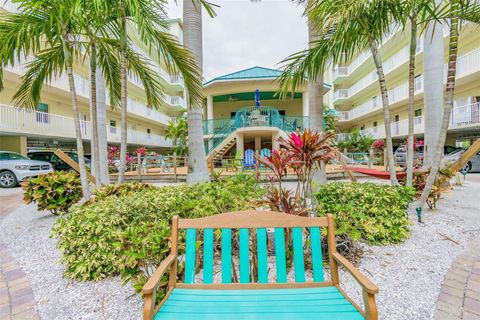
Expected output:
(241, 225)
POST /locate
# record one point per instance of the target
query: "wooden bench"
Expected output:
(263, 299)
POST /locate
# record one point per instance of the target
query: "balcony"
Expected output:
(340, 94)
(22, 121)
(465, 115)
(254, 117)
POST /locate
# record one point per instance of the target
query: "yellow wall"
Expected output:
(14, 143)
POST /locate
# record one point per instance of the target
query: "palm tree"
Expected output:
(53, 22)
(192, 39)
(454, 10)
(345, 28)
(177, 131)
(150, 20)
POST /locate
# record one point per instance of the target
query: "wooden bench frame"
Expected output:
(251, 220)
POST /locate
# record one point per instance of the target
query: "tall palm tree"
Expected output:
(54, 22)
(151, 24)
(345, 28)
(192, 39)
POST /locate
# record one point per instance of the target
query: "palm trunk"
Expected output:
(386, 111)
(411, 98)
(76, 119)
(192, 35)
(102, 127)
(315, 106)
(450, 90)
(93, 113)
(123, 97)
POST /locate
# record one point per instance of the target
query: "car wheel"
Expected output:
(466, 168)
(8, 179)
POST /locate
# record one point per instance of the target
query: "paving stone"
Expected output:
(472, 306)
(448, 308)
(470, 316)
(442, 315)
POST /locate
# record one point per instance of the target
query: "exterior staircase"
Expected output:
(217, 153)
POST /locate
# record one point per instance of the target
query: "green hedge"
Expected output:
(129, 234)
(368, 211)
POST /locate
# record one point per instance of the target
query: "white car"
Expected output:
(15, 168)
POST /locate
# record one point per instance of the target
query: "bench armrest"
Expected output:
(362, 280)
(154, 280)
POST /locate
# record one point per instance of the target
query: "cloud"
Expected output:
(245, 34)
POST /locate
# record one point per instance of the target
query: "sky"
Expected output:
(246, 34)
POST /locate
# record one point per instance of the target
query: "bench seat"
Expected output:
(292, 303)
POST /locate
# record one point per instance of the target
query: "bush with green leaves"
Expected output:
(56, 191)
(372, 212)
(128, 234)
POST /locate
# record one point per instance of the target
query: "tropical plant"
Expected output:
(131, 225)
(56, 191)
(378, 144)
(368, 211)
(302, 151)
(356, 142)
(177, 131)
(345, 28)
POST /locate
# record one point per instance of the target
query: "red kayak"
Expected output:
(377, 173)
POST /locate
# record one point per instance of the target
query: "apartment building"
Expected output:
(51, 124)
(356, 90)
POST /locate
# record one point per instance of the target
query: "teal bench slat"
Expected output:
(298, 303)
(280, 257)
(244, 256)
(190, 256)
(298, 260)
(316, 248)
(226, 255)
(208, 256)
(262, 255)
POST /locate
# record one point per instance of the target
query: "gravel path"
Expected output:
(26, 234)
(409, 275)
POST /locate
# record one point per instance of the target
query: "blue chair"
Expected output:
(249, 158)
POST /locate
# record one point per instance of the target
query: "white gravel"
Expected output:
(409, 275)
(26, 233)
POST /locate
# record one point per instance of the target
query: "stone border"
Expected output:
(459, 297)
(16, 296)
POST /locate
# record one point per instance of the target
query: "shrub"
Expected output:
(56, 191)
(372, 212)
(116, 190)
(129, 234)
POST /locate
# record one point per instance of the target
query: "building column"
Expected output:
(305, 105)
(258, 144)
(209, 107)
(16, 144)
(240, 146)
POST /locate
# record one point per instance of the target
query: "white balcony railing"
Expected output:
(340, 94)
(465, 115)
(140, 109)
(39, 123)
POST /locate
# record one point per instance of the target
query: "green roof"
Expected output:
(250, 73)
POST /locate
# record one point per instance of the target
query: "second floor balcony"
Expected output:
(250, 117)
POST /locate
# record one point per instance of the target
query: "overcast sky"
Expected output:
(246, 34)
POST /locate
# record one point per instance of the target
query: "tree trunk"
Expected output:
(411, 98)
(450, 90)
(433, 77)
(123, 96)
(93, 115)
(315, 106)
(76, 119)
(192, 39)
(102, 127)
(386, 111)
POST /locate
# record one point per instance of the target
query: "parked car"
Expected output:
(58, 164)
(15, 168)
(473, 165)
(400, 155)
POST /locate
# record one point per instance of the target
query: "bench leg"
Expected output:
(371, 311)
(149, 306)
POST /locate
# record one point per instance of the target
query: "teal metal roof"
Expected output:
(250, 73)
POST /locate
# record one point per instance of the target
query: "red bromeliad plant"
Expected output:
(302, 151)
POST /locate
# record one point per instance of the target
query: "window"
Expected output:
(418, 113)
(42, 113)
(113, 126)
(362, 128)
(418, 82)
(148, 133)
(11, 156)
(375, 124)
(396, 118)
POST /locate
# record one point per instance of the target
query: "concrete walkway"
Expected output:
(16, 296)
